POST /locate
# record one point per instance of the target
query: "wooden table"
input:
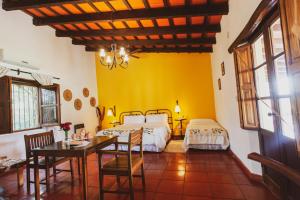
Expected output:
(180, 120)
(62, 149)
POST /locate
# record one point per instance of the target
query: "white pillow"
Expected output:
(157, 118)
(202, 121)
(134, 119)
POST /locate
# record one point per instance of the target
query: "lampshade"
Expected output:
(177, 107)
(110, 112)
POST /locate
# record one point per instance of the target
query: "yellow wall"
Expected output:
(156, 81)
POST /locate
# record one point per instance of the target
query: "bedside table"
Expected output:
(115, 123)
(180, 120)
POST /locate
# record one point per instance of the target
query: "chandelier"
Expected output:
(116, 57)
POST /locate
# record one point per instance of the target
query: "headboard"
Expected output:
(162, 111)
(128, 113)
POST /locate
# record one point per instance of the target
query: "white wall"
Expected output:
(242, 142)
(21, 40)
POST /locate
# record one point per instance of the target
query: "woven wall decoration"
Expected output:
(86, 92)
(68, 95)
(93, 101)
(77, 104)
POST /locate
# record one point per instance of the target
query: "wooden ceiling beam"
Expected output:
(27, 4)
(179, 11)
(142, 31)
(105, 43)
(164, 50)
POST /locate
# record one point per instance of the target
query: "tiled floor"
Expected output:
(169, 176)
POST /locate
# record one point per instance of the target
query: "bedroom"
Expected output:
(178, 92)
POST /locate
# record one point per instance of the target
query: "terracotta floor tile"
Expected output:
(220, 178)
(256, 193)
(196, 167)
(241, 179)
(195, 198)
(171, 187)
(144, 195)
(174, 175)
(172, 166)
(196, 177)
(197, 189)
(228, 191)
(202, 176)
(163, 196)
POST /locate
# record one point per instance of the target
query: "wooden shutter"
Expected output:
(246, 88)
(5, 105)
(56, 88)
(290, 19)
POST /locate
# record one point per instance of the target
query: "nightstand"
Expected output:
(115, 123)
(180, 120)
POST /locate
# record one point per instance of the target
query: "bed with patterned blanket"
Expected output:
(155, 136)
(205, 134)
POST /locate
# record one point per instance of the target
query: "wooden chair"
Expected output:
(123, 164)
(37, 141)
(78, 127)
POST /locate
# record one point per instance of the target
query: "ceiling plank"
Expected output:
(105, 43)
(27, 4)
(142, 31)
(165, 50)
(180, 11)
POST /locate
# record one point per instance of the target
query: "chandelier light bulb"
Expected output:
(122, 51)
(126, 58)
(108, 60)
(102, 53)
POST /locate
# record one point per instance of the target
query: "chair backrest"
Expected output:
(37, 141)
(78, 127)
(136, 138)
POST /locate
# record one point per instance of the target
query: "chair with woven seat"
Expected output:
(124, 163)
(38, 141)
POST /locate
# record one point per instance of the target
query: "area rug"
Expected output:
(175, 146)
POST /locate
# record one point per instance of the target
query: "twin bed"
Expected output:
(157, 125)
(205, 134)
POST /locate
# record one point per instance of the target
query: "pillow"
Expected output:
(202, 121)
(134, 119)
(157, 118)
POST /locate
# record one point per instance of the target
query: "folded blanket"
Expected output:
(118, 132)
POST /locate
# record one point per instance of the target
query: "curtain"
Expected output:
(43, 79)
(3, 71)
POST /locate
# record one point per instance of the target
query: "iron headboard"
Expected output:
(162, 111)
(128, 113)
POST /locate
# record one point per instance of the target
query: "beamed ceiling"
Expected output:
(139, 25)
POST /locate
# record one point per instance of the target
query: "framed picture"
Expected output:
(219, 84)
(223, 68)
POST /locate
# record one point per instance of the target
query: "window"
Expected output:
(283, 95)
(271, 91)
(25, 107)
(262, 85)
(32, 105)
(49, 106)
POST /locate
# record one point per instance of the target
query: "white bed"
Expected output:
(156, 134)
(205, 134)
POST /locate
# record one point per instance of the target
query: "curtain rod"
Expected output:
(24, 72)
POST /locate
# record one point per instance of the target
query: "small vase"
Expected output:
(66, 135)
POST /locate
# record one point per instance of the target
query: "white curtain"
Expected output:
(3, 71)
(43, 79)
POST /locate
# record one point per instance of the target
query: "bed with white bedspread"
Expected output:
(205, 134)
(156, 133)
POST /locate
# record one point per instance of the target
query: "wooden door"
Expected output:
(290, 16)
(5, 106)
